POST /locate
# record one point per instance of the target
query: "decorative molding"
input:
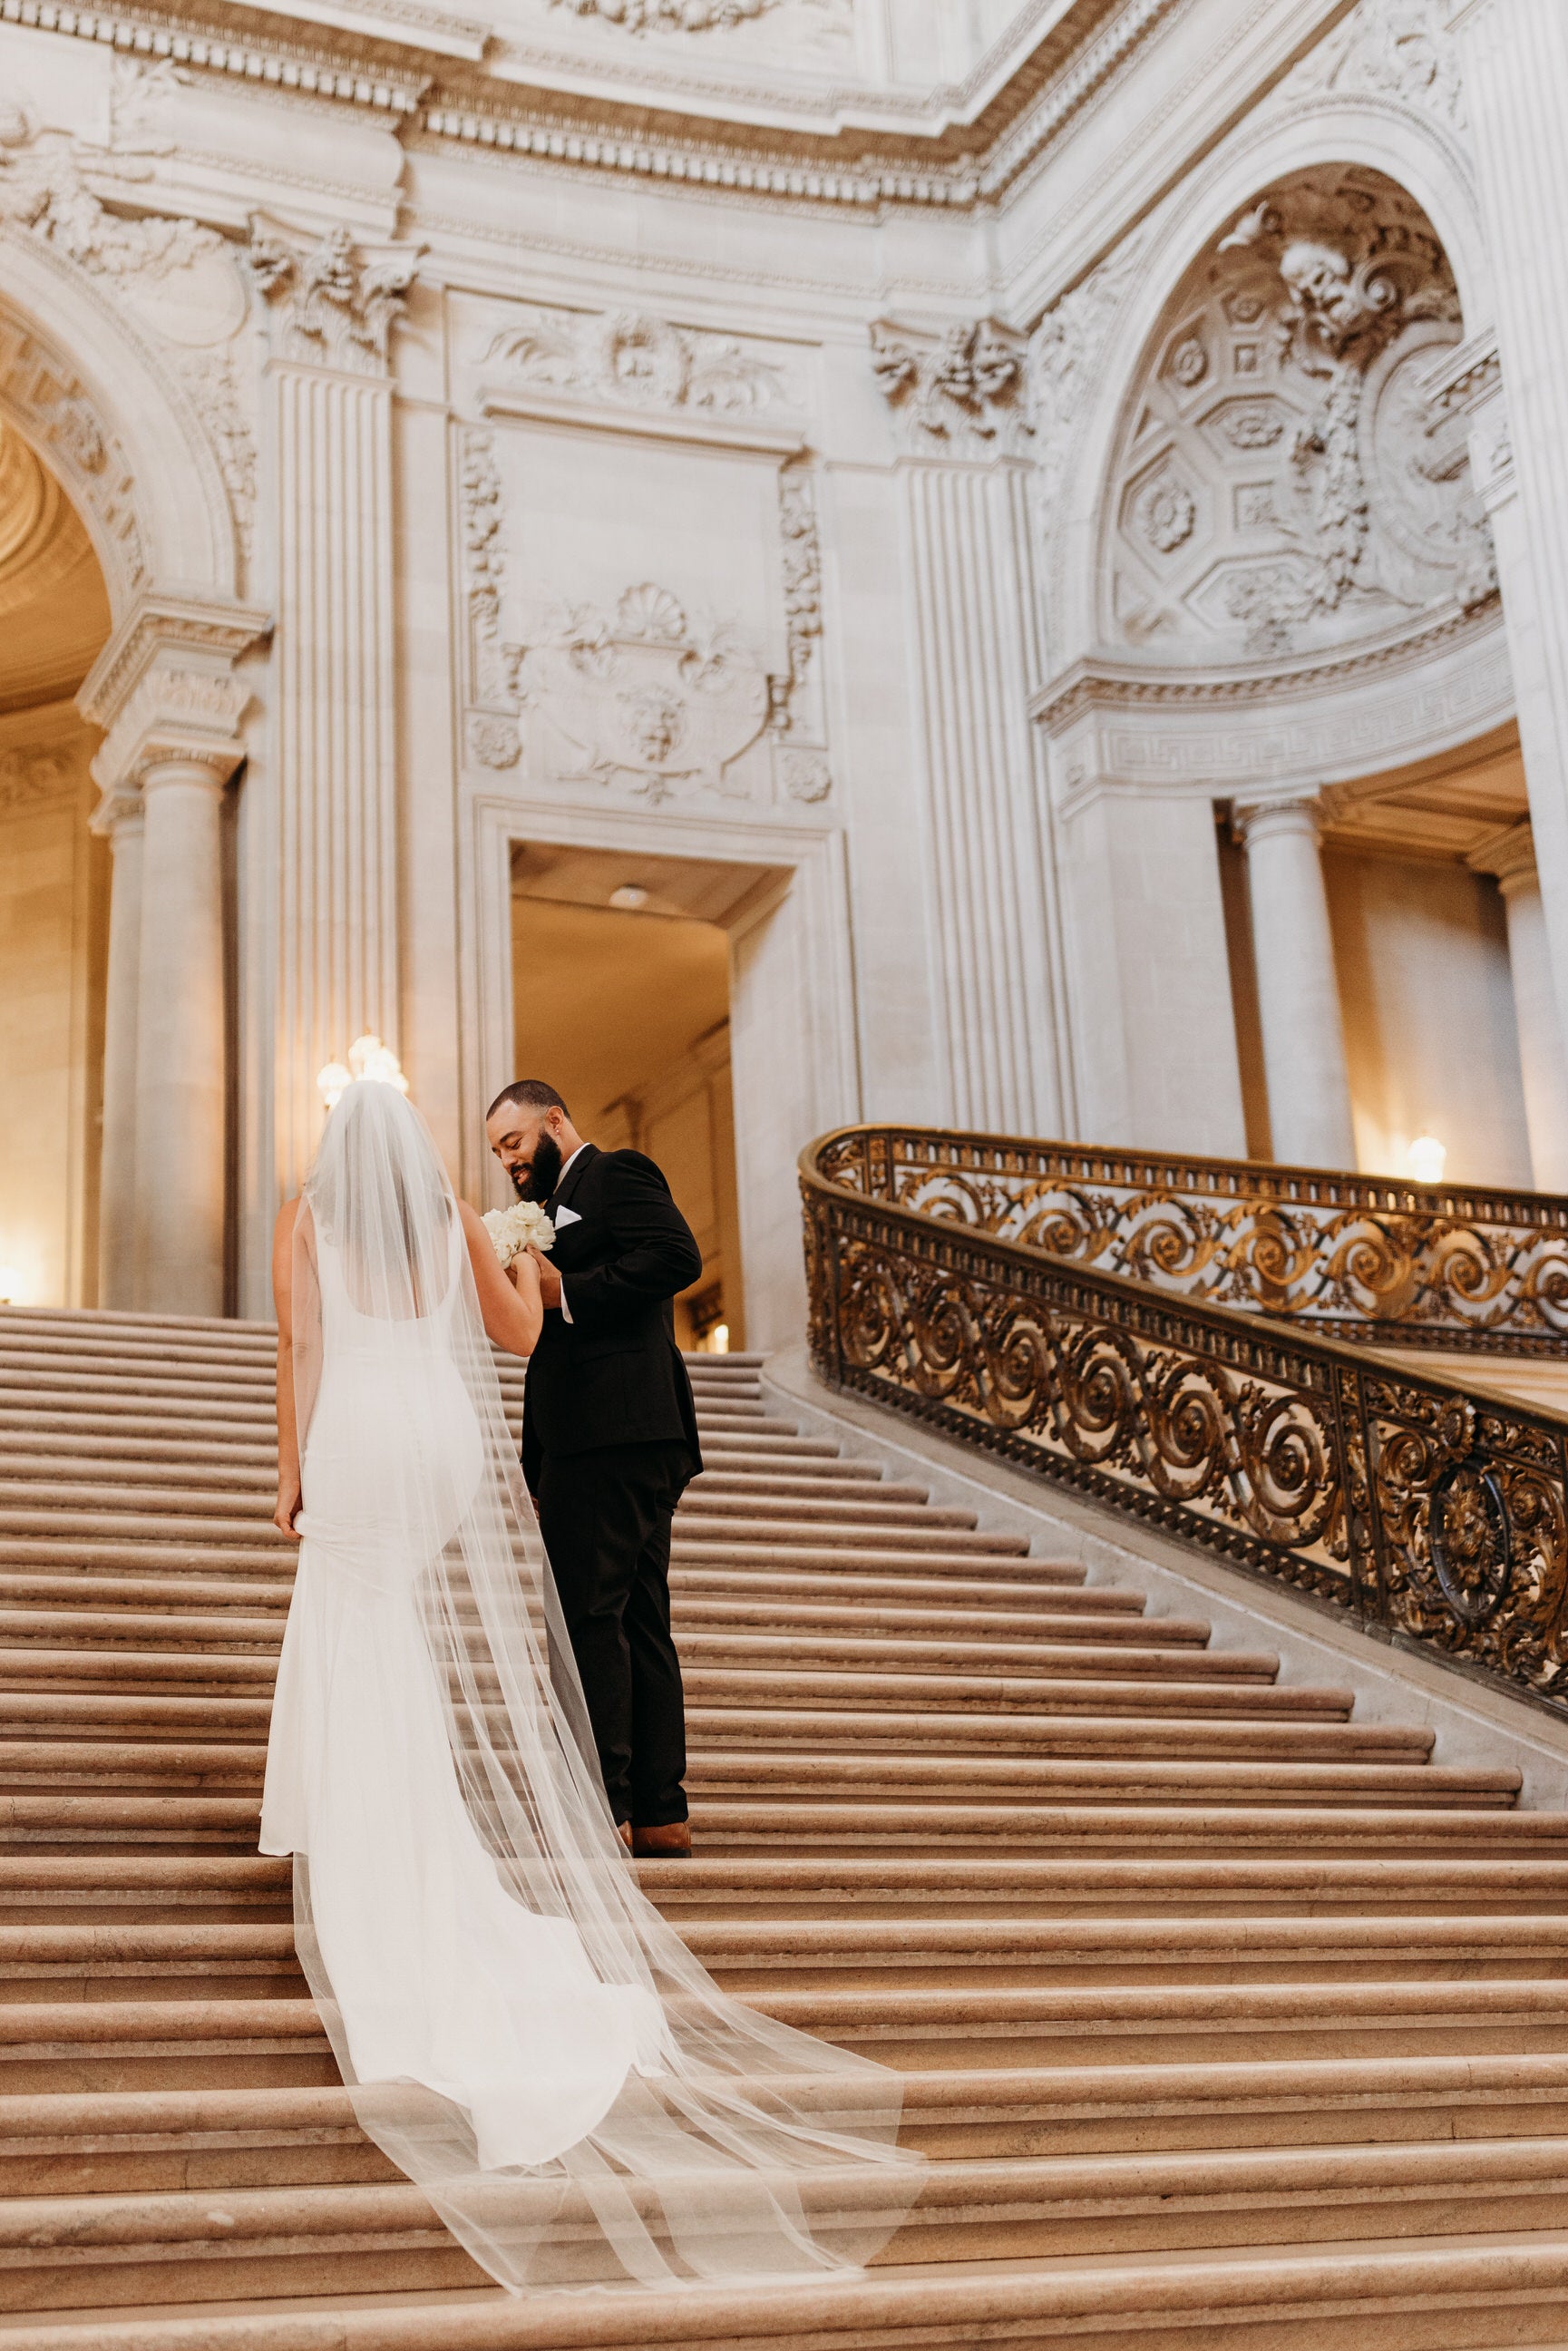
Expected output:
(335, 303)
(484, 570)
(173, 716)
(635, 357)
(642, 698)
(1282, 484)
(494, 741)
(683, 16)
(802, 567)
(1399, 50)
(54, 408)
(353, 79)
(958, 390)
(804, 775)
(205, 638)
(1106, 681)
(179, 277)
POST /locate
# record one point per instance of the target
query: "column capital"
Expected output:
(1252, 819)
(186, 719)
(204, 634)
(959, 390)
(1509, 858)
(334, 302)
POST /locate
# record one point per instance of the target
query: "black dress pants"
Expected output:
(605, 1519)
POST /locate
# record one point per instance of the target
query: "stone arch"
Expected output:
(1418, 153)
(80, 385)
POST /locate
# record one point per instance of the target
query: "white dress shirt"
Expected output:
(560, 1179)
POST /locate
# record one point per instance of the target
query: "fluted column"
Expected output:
(334, 306)
(122, 987)
(1298, 989)
(959, 400)
(1514, 62)
(1543, 1065)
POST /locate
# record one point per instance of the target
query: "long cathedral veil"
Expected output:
(707, 2141)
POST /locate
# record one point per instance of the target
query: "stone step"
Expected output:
(197, 1810)
(736, 1598)
(126, 2248)
(175, 1710)
(906, 1784)
(115, 1887)
(748, 1669)
(1472, 2295)
(1132, 1644)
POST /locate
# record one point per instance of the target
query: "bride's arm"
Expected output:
(287, 1426)
(510, 1303)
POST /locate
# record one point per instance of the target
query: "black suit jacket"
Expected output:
(613, 1375)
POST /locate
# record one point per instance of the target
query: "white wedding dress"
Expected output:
(521, 2030)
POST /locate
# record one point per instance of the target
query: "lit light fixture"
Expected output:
(629, 897)
(369, 1059)
(1427, 1158)
(718, 1339)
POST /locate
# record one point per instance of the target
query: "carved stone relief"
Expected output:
(632, 358)
(57, 415)
(178, 278)
(962, 391)
(707, 16)
(1283, 483)
(334, 302)
(1398, 49)
(644, 696)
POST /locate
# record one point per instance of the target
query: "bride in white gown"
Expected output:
(519, 2028)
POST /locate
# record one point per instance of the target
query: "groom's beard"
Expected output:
(544, 1175)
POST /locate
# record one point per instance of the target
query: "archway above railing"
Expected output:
(1422, 1509)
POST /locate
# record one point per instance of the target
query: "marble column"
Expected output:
(1513, 58)
(123, 823)
(182, 1088)
(1543, 1065)
(1298, 989)
(172, 744)
(961, 431)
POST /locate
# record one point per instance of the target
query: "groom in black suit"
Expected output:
(610, 1440)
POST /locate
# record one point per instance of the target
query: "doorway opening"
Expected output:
(54, 892)
(621, 979)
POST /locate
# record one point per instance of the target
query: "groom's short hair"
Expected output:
(527, 1094)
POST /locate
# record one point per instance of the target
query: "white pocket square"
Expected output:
(566, 1216)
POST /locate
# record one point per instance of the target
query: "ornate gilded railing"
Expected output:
(1361, 1257)
(1420, 1508)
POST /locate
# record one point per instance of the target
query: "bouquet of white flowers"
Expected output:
(512, 1229)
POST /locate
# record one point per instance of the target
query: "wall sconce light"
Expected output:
(1426, 1159)
(368, 1058)
(629, 897)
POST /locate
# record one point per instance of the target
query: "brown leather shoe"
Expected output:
(673, 1841)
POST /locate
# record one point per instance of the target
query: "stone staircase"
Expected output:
(1226, 2020)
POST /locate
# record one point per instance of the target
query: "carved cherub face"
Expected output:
(1320, 279)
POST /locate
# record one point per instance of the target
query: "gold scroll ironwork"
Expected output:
(1438, 1515)
(1365, 1258)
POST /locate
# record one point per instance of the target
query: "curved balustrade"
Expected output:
(1436, 1514)
(1361, 1257)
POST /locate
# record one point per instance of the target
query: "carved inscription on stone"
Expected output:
(1297, 490)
